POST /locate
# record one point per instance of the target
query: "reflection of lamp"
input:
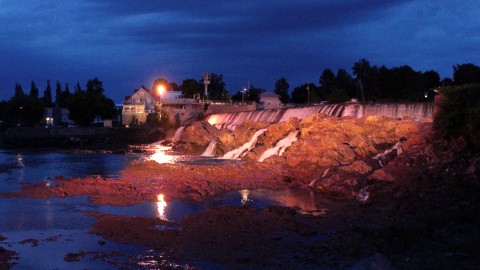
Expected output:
(161, 205)
(244, 193)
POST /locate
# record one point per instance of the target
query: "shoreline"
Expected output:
(96, 138)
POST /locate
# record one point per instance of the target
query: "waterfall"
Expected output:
(300, 113)
(385, 157)
(417, 111)
(209, 152)
(245, 148)
(178, 133)
(280, 147)
(230, 120)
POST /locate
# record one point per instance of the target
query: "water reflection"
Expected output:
(20, 160)
(305, 201)
(160, 154)
(162, 157)
(161, 205)
(244, 193)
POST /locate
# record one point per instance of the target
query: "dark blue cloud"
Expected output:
(130, 43)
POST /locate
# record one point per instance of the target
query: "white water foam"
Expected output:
(245, 148)
(280, 147)
(210, 149)
(178, 133)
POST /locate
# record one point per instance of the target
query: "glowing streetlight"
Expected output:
(161, 90)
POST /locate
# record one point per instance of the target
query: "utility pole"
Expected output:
(308, 94)
(206, 82)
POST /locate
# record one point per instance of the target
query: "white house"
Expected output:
(270, 100)
(142, 102)
(137, 107)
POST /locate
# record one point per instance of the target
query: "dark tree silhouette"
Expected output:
(191, 88)
(47, 95)
(281, 89)
(466, 73)
(33, 90)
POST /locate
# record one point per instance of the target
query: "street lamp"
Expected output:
(161, 90)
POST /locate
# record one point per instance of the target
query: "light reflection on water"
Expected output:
(161, 205)
(164, 154)
(305, 201)
(23, 217)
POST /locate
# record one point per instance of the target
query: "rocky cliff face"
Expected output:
(333, 154)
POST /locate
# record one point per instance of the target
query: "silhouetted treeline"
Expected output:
(83, 105)
(365, 83)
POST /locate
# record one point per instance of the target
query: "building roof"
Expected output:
(268, 94)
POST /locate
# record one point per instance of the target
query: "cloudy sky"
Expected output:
(130, 43)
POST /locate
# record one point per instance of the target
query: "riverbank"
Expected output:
(78, 137)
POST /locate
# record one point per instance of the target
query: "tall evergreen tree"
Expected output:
(78, 88)
(67, 89)
(47, 95)
(58, 93)
(33, 90)
(18, 91)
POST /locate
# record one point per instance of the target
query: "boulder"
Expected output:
(381, 175)
(405, 129)
(197, 136)
(358, 166)
(414, 139)
(337, 183)
(278, 131)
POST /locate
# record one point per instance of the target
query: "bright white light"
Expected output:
(161, 157)
(161, 90)
(161, 205)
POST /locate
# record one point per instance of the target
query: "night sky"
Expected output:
(130, 43)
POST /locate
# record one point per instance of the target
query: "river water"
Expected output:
(43, 231)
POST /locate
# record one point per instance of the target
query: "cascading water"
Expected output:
(280, 147)
(230, 120)
(245, 148)
(178, 133)
(417, 111)
(384, 157)
(209, 152)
